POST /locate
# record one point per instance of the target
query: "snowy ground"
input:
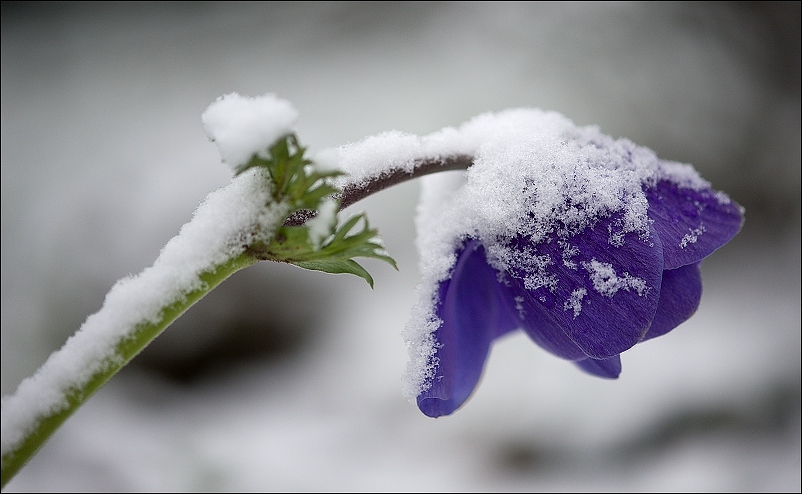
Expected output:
(290, 380)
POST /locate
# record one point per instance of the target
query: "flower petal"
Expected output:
(691, 223)
(601, 289)
(609, 368)
(533, 317)
(473, 313)
(680, 293)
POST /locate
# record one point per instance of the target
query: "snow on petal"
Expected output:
(473, 310)
(574, 218)
(619, 287)
(692, 223)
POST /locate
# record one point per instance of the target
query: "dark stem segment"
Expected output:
(358, 191)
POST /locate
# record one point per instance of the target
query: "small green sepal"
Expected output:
(297, 182)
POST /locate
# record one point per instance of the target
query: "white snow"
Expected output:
(222, 225)
(119, 111)
(692, 236)
(607, 282)
(534, 173)
(575, 301)
(243, 126)
(375, 155)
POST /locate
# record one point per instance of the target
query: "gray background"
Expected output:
(288, 380)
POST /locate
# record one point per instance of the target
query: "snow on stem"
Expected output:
(41, 424)
(207, 250)
(235, 227)
(49, 397)
(263, 215)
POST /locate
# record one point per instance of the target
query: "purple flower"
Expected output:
(585, 286)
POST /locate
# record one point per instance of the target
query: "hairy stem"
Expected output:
(357, 191)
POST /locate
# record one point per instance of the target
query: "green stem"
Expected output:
(126, 350)
(144, 332)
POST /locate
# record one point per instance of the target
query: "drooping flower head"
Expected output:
(587, 243)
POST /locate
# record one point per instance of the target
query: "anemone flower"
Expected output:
(591, 246)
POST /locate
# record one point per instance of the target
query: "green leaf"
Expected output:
(297, 183)
(337, 266)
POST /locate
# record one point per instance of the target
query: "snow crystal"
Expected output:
(569, 251)
(535, 266)
(242, 126)
(221, 226)
(535, 174)
(574, 302)
(692, 237)
(392, 150)
(608, 283)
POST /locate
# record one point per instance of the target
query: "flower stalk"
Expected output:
(125, 351)
(590, 245)
(290, 181)
(355, 192)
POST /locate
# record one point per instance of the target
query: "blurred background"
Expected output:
(290, 380)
